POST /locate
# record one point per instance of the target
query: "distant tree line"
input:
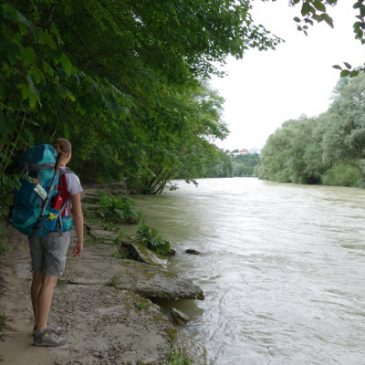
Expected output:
(328, 149)
(228, 164)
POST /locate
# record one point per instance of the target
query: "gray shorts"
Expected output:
(49, 253)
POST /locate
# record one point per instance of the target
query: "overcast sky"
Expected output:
(267, 88)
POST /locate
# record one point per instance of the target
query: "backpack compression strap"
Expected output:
(46, 201)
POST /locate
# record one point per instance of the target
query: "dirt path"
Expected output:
(15, 307)
(102, 302)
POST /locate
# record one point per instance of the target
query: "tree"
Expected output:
(124, 80)
(244, 165)
(329, 148)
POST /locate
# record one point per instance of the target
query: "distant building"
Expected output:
(244, 151)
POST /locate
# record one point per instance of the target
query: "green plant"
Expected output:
(179, 359)
(152, 239)
(117, 209)
(172, 333)
(61, 283)
(114, 281)
(141, 304)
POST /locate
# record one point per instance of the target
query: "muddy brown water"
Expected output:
(282, 268)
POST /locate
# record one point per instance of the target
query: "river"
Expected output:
(282, 267)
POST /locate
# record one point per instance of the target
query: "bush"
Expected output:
(117, 209)
(343, 174)
(151, 238)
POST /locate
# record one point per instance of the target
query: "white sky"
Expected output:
(265, 89)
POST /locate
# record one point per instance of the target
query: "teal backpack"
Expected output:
(32, 211)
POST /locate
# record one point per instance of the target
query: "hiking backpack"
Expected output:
(36, 210)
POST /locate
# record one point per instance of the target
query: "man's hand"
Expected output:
(78, 248)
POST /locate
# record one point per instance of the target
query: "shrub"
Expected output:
(151, 238)
(343, 174)
(117, 209)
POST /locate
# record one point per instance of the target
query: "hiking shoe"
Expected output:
(57, 330)
(48, 339)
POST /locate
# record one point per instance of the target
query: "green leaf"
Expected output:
(345, 73)
(64, 93)
(307, 8)
(326, 18)
(12, 51)
(36, 74)
(46, 39)
(18, 17)
(318, 4)
(28, 56)
(48, 69)
(347, 65)
(297, 19)
(66, 64)
(28, 94)
(337, 67)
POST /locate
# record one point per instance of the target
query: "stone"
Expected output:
(190, 251)
(139, 252)
(179, 317)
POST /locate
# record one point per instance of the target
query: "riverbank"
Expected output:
(105, 303)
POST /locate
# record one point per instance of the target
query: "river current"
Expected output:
(282, 268)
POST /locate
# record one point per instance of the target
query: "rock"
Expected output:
(101, 234)
(119, 188)
(190, 251)
(150, 281)
(140, 338)
(172, 252)
(137, 251)
(179, 317)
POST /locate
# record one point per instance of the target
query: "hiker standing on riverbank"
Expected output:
(48, 253)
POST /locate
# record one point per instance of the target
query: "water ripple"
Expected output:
(282, 269)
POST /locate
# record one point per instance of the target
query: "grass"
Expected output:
(61, 283)
(179, 359)
(141, 304)
(172, 333)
